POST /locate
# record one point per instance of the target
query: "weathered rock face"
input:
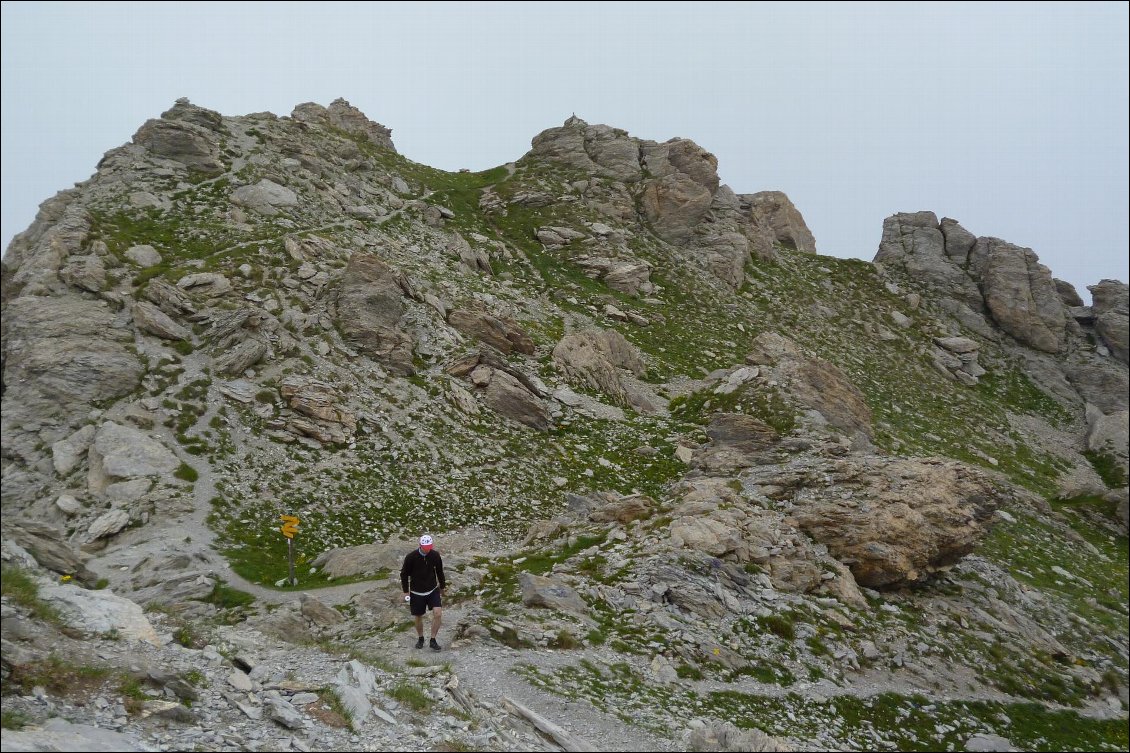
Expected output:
(712, 519)
(499, 332)
(61, 354)
(904, 518)
(1020, 293)
(369, 308)
(1101, 382)
(1111, 304)
(774, 210)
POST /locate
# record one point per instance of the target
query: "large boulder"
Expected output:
(814, 383)
(506, 395)
(240, 357)
(123, 452)
(364, 559)
(894, 521)
(319, 401)
(153, 321)
(265, 197)
(1111, 304)
(99, 612)
(538, 591)
(499, 332)
(595, 357)
(369, 308)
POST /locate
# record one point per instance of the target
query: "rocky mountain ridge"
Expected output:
(687, 464)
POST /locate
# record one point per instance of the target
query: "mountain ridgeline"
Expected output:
(684, 466)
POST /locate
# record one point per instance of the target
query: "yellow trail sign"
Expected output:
(289, 526)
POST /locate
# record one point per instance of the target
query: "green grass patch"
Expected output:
(1108, 467)
(22, 589)
(410, 694)
(187, 473)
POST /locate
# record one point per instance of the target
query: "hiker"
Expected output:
(421, 579)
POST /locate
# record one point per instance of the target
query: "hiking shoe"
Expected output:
(435, 646)
(420, 642)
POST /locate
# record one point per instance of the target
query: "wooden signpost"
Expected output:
(289, 528)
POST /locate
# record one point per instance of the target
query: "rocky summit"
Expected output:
(696, 485)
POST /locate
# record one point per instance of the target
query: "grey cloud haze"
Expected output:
(1010, 118)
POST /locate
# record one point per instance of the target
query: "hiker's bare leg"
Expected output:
(420, 626)
(437, 618)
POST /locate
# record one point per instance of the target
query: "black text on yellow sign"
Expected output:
(289, 526)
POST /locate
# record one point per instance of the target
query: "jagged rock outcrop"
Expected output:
(344, 116)
(170, 299)
(774, 210)
(978, 275)
(1111, 304)
(369, 309)
(1019, 293)
(676, 187)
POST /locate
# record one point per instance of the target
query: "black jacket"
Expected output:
(423, 570)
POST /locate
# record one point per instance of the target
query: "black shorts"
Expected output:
(421, 604)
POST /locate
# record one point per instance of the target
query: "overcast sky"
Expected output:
(1010, 118)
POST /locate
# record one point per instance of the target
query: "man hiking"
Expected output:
(421, 579)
